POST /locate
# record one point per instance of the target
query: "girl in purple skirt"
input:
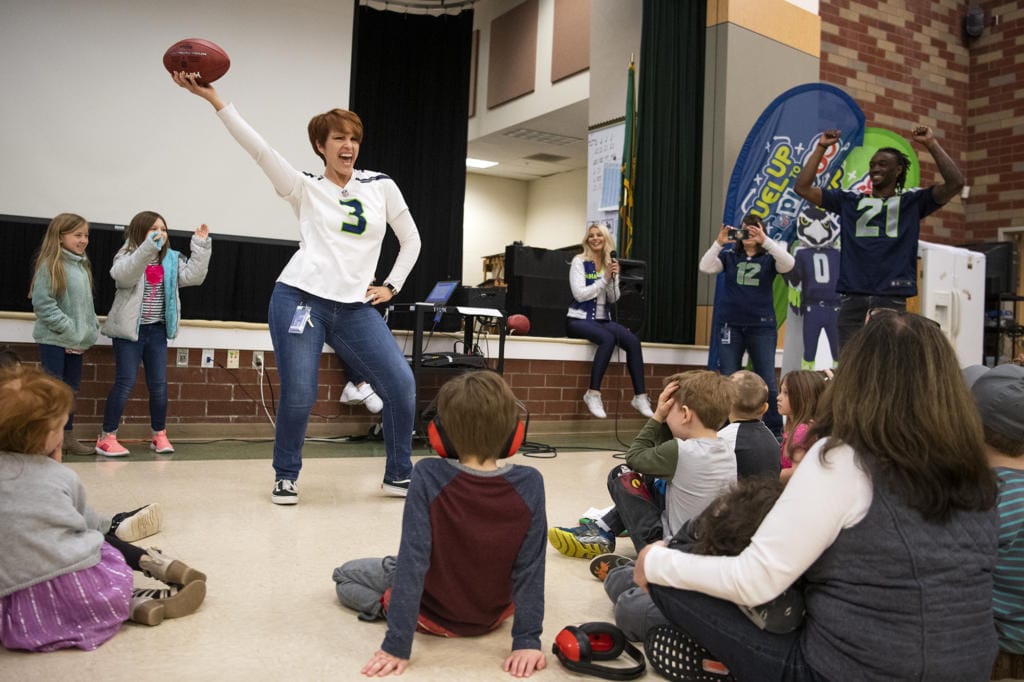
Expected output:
(65, 580)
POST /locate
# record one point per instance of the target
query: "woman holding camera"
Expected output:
(745, 307)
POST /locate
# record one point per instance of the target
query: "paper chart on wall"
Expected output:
(604, 175)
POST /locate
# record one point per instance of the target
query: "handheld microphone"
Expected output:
(615, 278)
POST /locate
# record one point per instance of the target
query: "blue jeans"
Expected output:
(362, 340)
(760, 343)
(64, 366)
(719, 626)
(151, 351)
(607, 334)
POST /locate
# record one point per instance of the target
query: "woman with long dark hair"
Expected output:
(889, 519)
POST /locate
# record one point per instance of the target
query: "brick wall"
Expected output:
(227, 401)
(908, 63)
(995, 154)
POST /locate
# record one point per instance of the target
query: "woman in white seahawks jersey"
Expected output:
(324, 293)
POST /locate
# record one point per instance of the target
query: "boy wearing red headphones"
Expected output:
(472, 547)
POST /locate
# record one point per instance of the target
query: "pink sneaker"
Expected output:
(107, 445)
(160, 444)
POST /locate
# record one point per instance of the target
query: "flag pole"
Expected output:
(628, 164)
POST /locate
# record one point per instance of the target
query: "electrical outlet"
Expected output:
(232, 359)
(182, 357)
(207, 357)
(257, 359)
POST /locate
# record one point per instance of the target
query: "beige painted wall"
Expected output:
(549, 212)
(495, 215)
(556, 212)
(547, 96)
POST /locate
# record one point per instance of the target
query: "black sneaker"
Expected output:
(676, 656)
(137, 524)
(285, 492)
(395, 488)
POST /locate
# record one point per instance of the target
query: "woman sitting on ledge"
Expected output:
(594, 281)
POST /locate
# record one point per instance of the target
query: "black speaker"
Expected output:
(538, 287)
(1002, 263)
(632, 304)
(481, 297)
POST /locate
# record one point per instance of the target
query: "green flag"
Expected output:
(628, 168)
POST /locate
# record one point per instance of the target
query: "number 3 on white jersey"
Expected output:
(356, 224)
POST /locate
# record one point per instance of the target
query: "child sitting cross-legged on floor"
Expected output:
(723, 529)
(757, 449)
(472, 547)
(65, 577)
(129, 525)
(675, 466)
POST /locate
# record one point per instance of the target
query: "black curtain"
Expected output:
(666, 210)
(410, 86)
(241, 276)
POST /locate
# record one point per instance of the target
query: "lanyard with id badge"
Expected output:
(300, 319)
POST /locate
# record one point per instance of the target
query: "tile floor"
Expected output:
(271, 612)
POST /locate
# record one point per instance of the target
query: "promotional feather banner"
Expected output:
(771, 157)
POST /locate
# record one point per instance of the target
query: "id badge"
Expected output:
(726, 335)
(300, 319)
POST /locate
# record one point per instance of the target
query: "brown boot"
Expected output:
(165, 569)
(150, 607)
(73, 447)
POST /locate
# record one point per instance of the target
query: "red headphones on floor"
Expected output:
(576, 646)
(439, 442)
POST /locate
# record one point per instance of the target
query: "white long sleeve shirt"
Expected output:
(819, 501)
(711, 264)
(341, 229)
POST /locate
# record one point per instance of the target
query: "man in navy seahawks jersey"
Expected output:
(879, 231)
